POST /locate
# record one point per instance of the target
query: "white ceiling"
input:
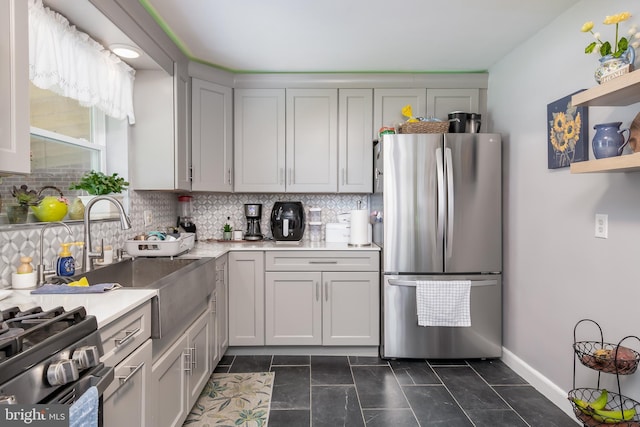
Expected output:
(354, 35)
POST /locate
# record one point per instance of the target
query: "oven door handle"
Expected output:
(100, 376)
(103, 378)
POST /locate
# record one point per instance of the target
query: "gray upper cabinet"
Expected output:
(182, 114)
(355, 136)
(259, 140)
(160, 147)
(211, 137)
(312, 140)
(388, 103)
(14, 88)
(440, 102)
(286, 140)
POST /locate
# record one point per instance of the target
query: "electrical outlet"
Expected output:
(148, 218)
(602, 226)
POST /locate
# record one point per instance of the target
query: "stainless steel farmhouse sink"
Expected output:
(137, 272)
(183, 288)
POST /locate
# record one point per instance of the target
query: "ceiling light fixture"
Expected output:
(125, 51)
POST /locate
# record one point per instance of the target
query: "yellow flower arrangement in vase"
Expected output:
(617, 55)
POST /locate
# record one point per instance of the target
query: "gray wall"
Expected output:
(555, 271)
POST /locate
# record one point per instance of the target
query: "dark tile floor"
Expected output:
(353, 391)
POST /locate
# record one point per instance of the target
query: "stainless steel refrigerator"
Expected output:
(437, 212)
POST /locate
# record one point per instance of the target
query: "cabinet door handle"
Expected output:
(194, 357)
(344, 176)
(281, 176)
(187, 360)
(229, 174)
(134, 369)
(326, 291)
(290, 176)
(317, 291)
(128, 335)
(323, 262)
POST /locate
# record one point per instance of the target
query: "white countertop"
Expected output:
(215, 249)
(106, 307)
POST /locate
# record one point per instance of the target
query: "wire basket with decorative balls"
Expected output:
(424, 127)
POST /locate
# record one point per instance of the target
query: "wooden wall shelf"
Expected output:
(621, 91)
(626, 163)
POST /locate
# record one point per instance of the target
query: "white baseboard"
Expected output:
(541, 383)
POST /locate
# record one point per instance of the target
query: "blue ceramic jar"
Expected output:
(608, 140)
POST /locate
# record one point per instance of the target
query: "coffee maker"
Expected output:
(287, 221)
(185, 218)
(253, 212)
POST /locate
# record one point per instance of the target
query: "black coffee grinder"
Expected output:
(185, 218)
(253, 212)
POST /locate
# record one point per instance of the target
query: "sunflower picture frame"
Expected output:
(567, 133)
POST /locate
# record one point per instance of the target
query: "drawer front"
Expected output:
(127, 400)
(124, 335)
(322, 260)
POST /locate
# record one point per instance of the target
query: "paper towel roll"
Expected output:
(359, 234)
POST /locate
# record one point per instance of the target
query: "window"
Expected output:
(65, 135)
(67, 140)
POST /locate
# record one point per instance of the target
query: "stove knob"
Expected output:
(62, 372)
(8, 400)
(86, 357)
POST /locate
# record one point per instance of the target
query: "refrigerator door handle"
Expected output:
(441, 193)
(450, 205)
(413, 283)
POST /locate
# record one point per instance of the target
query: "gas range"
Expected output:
(49, 356)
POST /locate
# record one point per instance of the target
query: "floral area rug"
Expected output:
(233, 400)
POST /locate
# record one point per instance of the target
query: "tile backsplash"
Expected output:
(210, 212)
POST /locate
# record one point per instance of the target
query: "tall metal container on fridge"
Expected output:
(437, 204)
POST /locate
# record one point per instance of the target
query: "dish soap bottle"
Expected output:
(66, 265)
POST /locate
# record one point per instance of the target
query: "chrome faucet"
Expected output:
(87, 255)
(40, 268)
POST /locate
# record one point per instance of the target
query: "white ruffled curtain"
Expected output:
(70, 63)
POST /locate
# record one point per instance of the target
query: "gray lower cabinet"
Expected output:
(246, 298)
(219, 310)
(127, 348)
(322, 308)
(304, 298)
(351, 308)
(180, 374)
(127, 400)
(222, 304)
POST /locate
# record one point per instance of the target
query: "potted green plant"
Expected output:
(97, 184)
(227, 230)
(17, 214)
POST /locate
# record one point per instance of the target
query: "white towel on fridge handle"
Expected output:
(443, 302)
